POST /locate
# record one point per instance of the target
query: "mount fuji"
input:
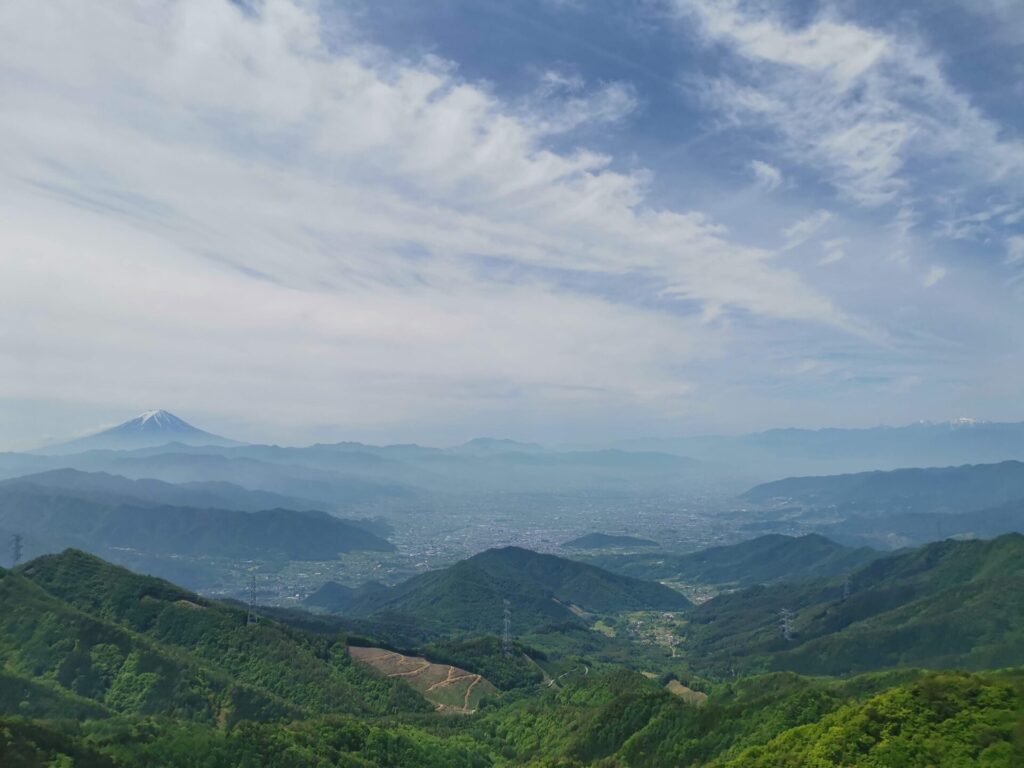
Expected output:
(148, 429)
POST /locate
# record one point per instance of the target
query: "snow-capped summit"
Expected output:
(155, 420)
(151, 428)
(964, 421)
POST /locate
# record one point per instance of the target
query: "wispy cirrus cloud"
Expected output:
(766, 175)
(933, 276)
(215, 206)
(858, 104)
(803, 230)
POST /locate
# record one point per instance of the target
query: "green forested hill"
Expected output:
(135, 644)
(337, 598)
(948, 604)
(762, 560)
(949, 719)
(101, 667)
(542, 589)
(44, 698)
(909, 720)
(774, 720)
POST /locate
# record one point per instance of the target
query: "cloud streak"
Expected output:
(857, 104)
(232, 210)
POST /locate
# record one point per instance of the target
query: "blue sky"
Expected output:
(556, 220)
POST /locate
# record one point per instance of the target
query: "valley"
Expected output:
(322, 613)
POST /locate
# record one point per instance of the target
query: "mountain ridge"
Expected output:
(928, 489)
(770, 558)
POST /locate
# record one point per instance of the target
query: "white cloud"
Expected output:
(563, 104)
(766, 176)
(835, 250)
(212, 207)
(855, 103)
(1015, 249)
(933, 275)
(806, 228)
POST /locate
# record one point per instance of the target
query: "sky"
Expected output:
(554, 220)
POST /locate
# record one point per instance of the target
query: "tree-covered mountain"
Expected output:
(101, 667)
(779, 452)
(607, 541)
(949, 719)
(763, 560)
(615, 718)
(54, 518)
(541, 589)
(83, 628)
(946, 489)
(338, 598)
(948, 604)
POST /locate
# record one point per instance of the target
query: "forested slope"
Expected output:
(949, 604)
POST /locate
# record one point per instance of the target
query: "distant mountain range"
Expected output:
(892, 531)
(128, 519)
(768, 454)
(768, 559)
(147, 429)
(211, 494)
(352, 474)
(946, 489)
(468, 596)
(780, 452)
(899, 508)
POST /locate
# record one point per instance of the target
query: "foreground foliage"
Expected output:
(615, 719)
(101, 667)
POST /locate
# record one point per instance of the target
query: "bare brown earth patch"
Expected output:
(450, 689)
(688, 695)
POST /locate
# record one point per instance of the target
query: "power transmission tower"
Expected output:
(16, 542)
(786, 622)
(847, 586)
(506, 634)
(252, 619)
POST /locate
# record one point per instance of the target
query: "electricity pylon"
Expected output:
(253, 618)
(506, 634)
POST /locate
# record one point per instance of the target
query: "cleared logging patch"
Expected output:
(450, 689)
(688, 695)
